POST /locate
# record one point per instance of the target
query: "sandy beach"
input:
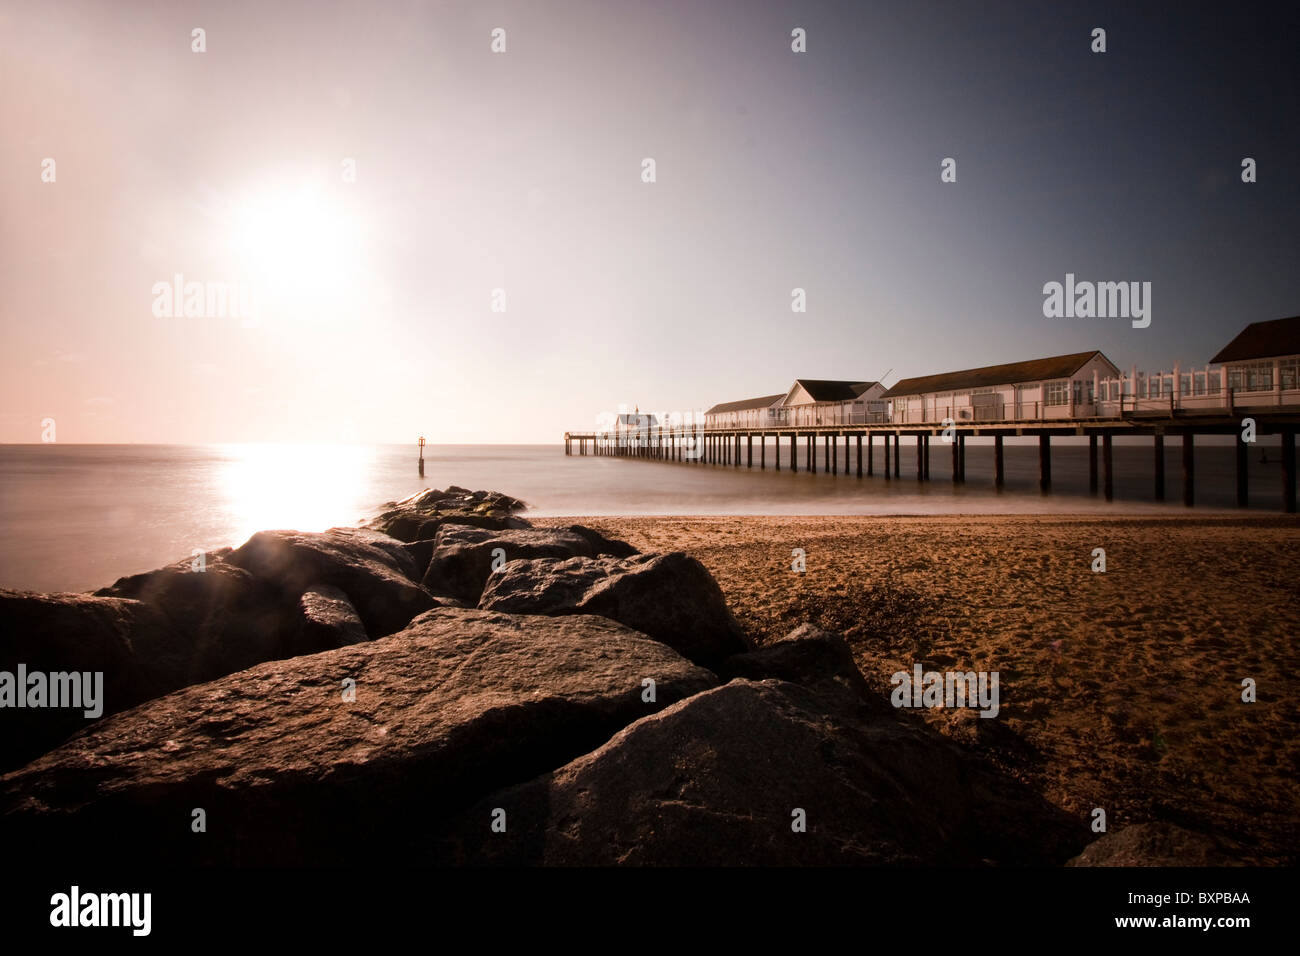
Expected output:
(1119, 690)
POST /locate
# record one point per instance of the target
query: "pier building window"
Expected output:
(1056, 393)
(1289, 373)
(1255, 377)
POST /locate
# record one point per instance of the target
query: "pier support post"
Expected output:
(898, 454)
(889, 472)
(999, 461)
(832, 456)
(1243, 477)
(1189, 469)
(794, 453)
(812, 453)
(920, 457)
(1044, 463)
(749, 450)
(1092, 464)
(1108, 466)
(762, 451)
(1288, 471)
(859, 456)
(871, 453)
(956, 460)
(776, 445)
(1159, 442)
(961, 456)
(927, 456)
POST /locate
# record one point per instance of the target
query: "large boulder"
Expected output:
(289, 771)
(601, 544)
(1160, 844)
(328, 618)
(152, 633)
(814, 658)
(415, 527)
(373, 570)
(131, 644)
(419, 516)
(721, 778)
(671, 597)
(224, 618)
(463, 557)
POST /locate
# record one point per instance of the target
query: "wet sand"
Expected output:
(1119, 690)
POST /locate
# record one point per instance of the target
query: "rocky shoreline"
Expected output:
(451, 685)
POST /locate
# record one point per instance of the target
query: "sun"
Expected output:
(301, 246)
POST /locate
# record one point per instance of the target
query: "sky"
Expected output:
(448, 241)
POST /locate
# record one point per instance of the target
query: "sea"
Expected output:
(77, 517)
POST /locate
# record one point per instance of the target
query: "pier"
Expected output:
(853, 447)
(1250, 388)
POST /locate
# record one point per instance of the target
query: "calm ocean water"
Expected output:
(76, 517)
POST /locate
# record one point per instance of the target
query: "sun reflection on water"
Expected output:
(299, 487)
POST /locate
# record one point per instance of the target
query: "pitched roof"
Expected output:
(1034, 370)
(1263, 340)
(826, 390)
(745, 404)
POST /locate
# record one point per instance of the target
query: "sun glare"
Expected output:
(298, 487)
(301, 247)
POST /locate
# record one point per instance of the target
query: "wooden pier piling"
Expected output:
(1159, 442)
(1108, 466)
(1092, 463)
(1288, 471)
(1243, 480)
(1044, 463)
